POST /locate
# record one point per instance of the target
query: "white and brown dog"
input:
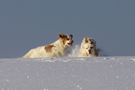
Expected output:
(57, 49)
(88, 47)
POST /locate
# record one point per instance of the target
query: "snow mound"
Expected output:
(75, 51)
(68, 73)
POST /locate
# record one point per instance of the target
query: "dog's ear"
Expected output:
(85, 39)
(92, 41)
(89, 41)
(71, 35)
(60, 35)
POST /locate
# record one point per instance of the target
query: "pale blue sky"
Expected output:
(26, 24)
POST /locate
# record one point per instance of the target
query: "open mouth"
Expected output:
(70, 44)
(89, 51)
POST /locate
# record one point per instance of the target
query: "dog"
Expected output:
(57, 49)
(88, 48)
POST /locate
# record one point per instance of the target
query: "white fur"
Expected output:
(36, 53)
(86, 47)
(58, 50)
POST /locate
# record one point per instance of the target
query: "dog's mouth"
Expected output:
(71, 43)
(89, 51)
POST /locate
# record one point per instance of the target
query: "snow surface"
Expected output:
(68, 73)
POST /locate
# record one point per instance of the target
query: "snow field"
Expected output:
(68, 73)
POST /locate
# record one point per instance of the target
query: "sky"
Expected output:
(27, 24)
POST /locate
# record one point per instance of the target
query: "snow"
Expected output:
(68, 73)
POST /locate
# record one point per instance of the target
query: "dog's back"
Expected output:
(36, 53)
(57, 49)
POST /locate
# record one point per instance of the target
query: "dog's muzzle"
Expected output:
(71, 42)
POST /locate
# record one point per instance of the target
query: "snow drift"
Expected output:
(68, 73)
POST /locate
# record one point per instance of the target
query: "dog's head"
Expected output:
(88, 48)
(88, 45)
(66, 39)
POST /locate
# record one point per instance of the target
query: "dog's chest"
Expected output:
(60, 50)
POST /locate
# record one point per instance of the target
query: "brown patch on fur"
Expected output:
(48, 48)
(91, 41)
(95, 54)
(64, 39)
(96, 51)
(62, 35)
